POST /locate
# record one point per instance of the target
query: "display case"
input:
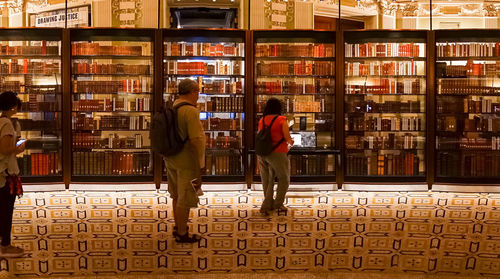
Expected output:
(112, 102)
(298, 68)
(385, 106)
(31, 67)
(216, 60)
(468, 106)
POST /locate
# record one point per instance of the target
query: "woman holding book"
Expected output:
(9, 133)
(276, 164)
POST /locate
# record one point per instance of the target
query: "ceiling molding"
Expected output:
(329, 10)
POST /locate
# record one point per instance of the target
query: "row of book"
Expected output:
(29, 50)
(475, 124)
(295, 50)
(373, 124)
(217, 124)
(17, 86)
(470, 164)
(470, 69)
(112, 141)
(203, 49)
(218, 67)
(468, 105)
(466, 87)
(468, 49)
(38, 164)
(370, 106)
(141, 85)
(111, 163)
(300, 104)
(46, 121)
(479, 143)
(385, 50)
(389, 142)
(381, 68)
(221, 104)
(208, 86)
(98, 68)
(385, 86)
(37, 68)
(317, 68)
(113, 104)
(38, 106)
(226, 140)
(377, 164)
(222, 162)
(319, 86)
(81, 48)
(104, 122)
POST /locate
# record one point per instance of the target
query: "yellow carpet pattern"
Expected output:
(130, 234)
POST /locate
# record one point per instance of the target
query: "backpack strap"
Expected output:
(270, 125)
(176, 108)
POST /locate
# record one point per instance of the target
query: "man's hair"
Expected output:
(9, 100)
(273, 106)
(187, 86)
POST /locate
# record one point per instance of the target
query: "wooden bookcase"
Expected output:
(451, 138)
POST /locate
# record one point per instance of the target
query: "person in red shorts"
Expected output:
(276, 164)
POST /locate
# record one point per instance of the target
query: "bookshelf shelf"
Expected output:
(203, 58)
(34, 56)
(467, 126)
(384, 94)
(204, 76)
(131, 95)
(289, 58)
(114, 75)
(41, 75)
(109, 130)
(480, 58)
(388, 68)
(298, 68)
(216, 60)
(112, 111)
(34, 59)
(115, 57)
(295, 76)
(386, 76)
(385, 58)
(99, 87)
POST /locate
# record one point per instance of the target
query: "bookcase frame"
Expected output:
(292, 36)
(43, 34)
(107, 34)
(157, 36)
(227, 182)
(382, 36)
(457, 36)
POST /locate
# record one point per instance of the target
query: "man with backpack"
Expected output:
(183, 146)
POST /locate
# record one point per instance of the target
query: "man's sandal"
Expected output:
(186, 238)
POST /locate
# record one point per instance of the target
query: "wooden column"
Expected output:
(339, 103)
(250, 100)
(66, 107)
(430, 108)
(158, 97)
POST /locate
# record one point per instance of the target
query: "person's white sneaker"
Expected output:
(11, 252)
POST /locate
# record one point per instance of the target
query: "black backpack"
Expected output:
(164, 133)
(263, 141)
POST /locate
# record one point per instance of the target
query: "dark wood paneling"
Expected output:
(430, 108)
(67, 163)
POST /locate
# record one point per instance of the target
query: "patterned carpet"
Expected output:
(326, 234)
